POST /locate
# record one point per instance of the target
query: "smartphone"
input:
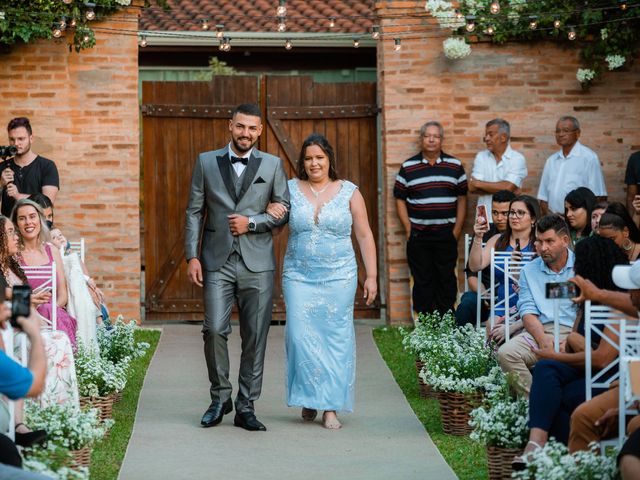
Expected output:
(518, 245)
(481, 211)
(562, 290)
(20, 303)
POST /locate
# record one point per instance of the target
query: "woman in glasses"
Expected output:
(519, 236)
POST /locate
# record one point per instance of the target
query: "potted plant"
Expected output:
(461, 368)
(53, 461)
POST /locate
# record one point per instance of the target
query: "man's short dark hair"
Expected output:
(20, 122)
(503, 196)
(554, 222)
(250, 109)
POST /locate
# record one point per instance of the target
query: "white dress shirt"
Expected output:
(581, 168)
(239, 166)
(512, 168)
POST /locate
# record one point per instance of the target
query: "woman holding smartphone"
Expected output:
(519, 236)
(36, 251)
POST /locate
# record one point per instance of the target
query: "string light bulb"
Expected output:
(219, 30)
(623, 4)
(494, 8)
(572, 34)
(557, 23)
(73, 23)
(281, 11)
(204, 24)
(143, 41)
(90, 14)
(397, 44)
(375, 32)
(533, 22)
(288, 45)
(458, 14)
(56, 32)
(332, 22)
(62, 23)
(85, 39)
(356, 42)
(67, 2)
(225, 44)
(282, 24)
(490, 30)
(471, 23)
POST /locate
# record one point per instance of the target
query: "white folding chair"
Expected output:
(467, 248)
(629, 352)
(78, 247)
(48, 274)
(7, 338)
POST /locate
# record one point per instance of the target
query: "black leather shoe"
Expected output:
(30, 438)
(248, 421)
(215, 412)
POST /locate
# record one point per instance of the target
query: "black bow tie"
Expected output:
(239, 159)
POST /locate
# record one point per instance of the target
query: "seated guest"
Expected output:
(614, 227)
(629, 456)
(518, 237)
(597, 212)
(559, 378)
(554, 264)
(467, 308)
(596, 419)
(47, 207)
(578, 207)
(36, 251)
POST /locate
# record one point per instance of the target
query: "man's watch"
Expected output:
(252, 224)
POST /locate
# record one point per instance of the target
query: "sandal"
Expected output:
(29, 438)
(519, 462)
(309, 414)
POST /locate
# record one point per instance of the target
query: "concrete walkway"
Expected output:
(382, 439)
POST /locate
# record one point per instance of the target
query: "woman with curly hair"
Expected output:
(558, 379)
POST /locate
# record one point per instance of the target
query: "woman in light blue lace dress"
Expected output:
(319, 283)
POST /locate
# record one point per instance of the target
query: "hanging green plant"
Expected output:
(25, 21)
(607, 32)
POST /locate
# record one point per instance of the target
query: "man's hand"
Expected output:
(194, 271)
(546, 342)
(238, 224)
(12, 190)
(6, 177)
(457, 231)
(608, 422)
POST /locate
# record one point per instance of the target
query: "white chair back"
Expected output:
(78, 247)
(48, 274)
(629, 352)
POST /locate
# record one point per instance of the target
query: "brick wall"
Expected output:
(529, 85)
(84, 111)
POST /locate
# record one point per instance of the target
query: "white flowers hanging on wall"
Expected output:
(456, 48)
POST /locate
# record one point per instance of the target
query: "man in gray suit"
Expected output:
(230, 191)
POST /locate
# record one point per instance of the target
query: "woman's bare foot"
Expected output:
(22, 428)
(309, 414)
(330, 420)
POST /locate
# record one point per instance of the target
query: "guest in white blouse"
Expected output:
(571, 167)
(499, 167)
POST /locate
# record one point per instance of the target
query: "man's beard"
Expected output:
(241, 149)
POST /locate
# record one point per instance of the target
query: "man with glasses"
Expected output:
(431, 199)
(573, 166)
(467, 310)
(499, 167)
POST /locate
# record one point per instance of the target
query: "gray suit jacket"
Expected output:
(213, 194)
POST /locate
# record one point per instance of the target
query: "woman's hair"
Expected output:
(44, 235)
(42, 200)
(618, 209)
(534, 212)
(582, 197)
(601, 205)
(595, 258)
(323, 143)
(8, 262)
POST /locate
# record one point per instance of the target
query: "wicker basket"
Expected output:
(455, 408)
(82, 457)
(499, 460)
(425, 389)
(105, 404)
(117, 396)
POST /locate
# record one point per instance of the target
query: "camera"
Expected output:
(8, 151)
(20, 303)
(559, 290)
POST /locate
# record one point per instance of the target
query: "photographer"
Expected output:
(26, 173)
(19, 382)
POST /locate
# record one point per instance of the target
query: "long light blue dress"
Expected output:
(319, 283)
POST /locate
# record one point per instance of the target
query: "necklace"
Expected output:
(319, 192)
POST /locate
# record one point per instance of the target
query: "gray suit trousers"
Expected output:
(253, 291)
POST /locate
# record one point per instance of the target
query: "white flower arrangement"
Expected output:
(98, 376)
(429, 328)
(444, 13)
(615, 61)
(585, 75)
(503, 423)
(456, 48)
(53, 461)
(117, 342)
(123, 2)
(67, 426)
(554, 462)
(604, 33)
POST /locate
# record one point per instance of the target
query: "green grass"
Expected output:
(108, 454)
(467, 458)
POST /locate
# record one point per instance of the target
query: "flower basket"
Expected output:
(455, 409)
(499, 460)
(425, 389)
(82, 457)
(105, 404)
(117, 396)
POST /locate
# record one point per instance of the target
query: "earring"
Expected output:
(627, 246)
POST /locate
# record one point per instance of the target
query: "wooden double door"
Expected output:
(182, 119)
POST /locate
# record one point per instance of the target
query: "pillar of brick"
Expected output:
(530, 85)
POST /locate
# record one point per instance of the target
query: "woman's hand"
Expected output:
(370, 290)
(276, 210)
(40, 297)
(480, 227)
(545, 353)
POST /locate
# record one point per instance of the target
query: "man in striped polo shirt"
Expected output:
(431, 198)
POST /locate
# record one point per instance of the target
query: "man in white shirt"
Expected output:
(573, 166)
(499, 167)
